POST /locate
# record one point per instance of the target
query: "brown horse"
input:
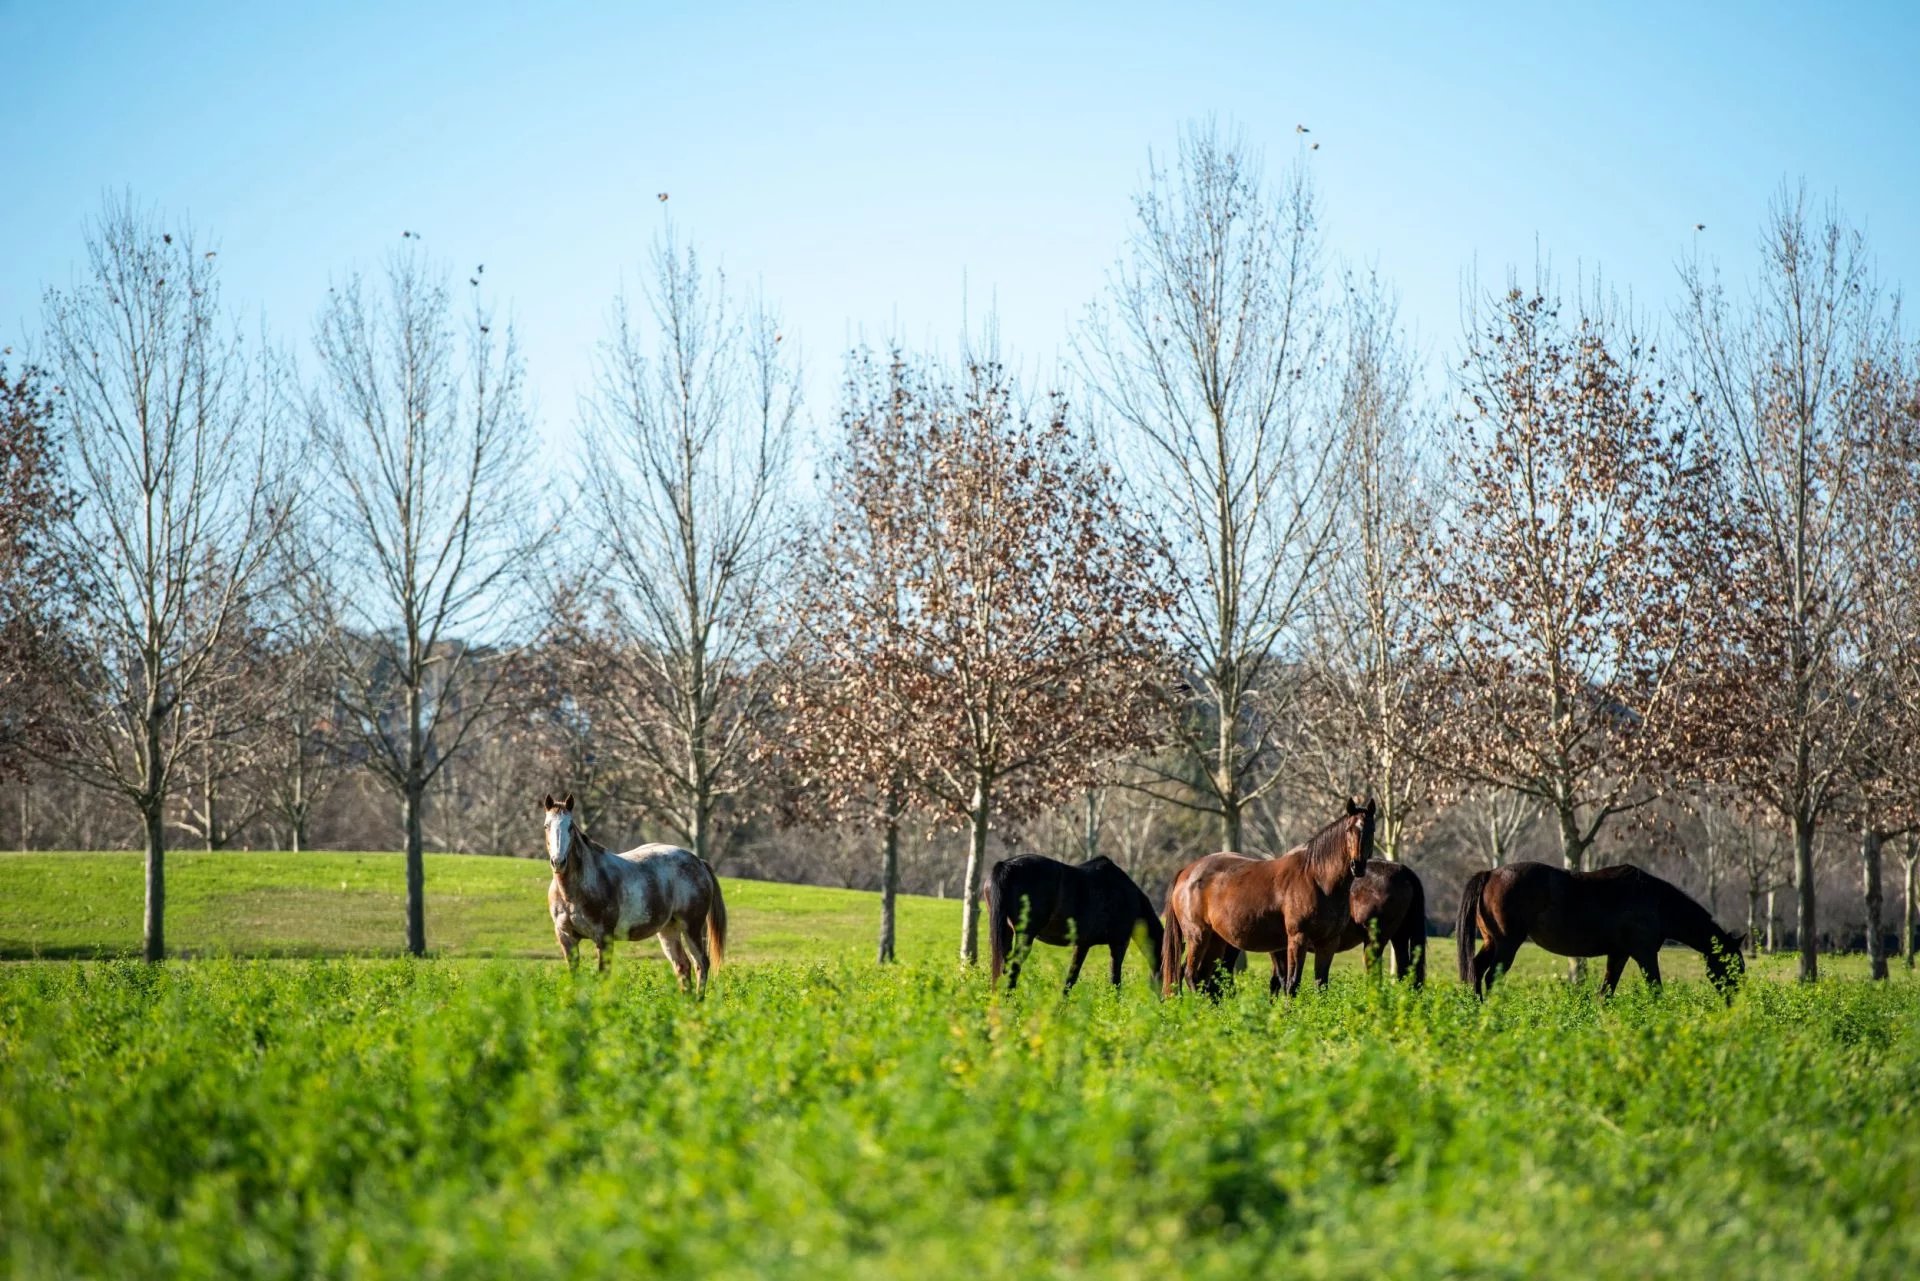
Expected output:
(1226, 904)
(1616, 912)
(653, 889)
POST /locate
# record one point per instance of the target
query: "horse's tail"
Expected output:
(1466, 925)
(1415, 930)
(1171, 941)
(999, 929)
(716, 918)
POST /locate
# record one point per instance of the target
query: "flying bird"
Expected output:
(1699, 226)
(481, 270)
(1314, 147)
(474, 281)
(663, 197)
(166, 237)
(212, 252)
(1301, 129)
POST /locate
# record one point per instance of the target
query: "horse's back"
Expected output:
(661, 882)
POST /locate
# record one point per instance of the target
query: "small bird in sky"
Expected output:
(1301, 129)
(166, 237)
(212, 252)
(663, 197)
(1314, 147)
(474, 281)
(481, 270)
(1699, 226)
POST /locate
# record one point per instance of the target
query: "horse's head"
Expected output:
(561, 831)
(1359, 834)
(1726, 956)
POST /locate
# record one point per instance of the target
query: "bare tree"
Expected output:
(1211, 351)
(177, 437)
(1013, 652)
(431, 519)
(689, 433)
(1364, 720)
(1769, 380)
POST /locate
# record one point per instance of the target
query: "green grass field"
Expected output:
(327, 1111)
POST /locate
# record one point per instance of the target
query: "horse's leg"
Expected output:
(600, 953)
(1278, 982)
(1322, 966)
(1296, 963)
(569, 945)
(1650, 965)
(1119, 953)
(676, 950)
(1402, 957)
(694, 940)
(1073, 966)
(1616, 966)
(1016, 957)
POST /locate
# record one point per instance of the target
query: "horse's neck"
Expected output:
(1687, 922)
(587, 872)
(1326, 861)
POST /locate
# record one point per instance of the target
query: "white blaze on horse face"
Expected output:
(559, 837)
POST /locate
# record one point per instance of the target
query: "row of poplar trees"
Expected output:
(1253, 540)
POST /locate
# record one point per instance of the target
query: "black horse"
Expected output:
(1030, 897)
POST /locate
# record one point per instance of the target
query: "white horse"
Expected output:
(653, 889)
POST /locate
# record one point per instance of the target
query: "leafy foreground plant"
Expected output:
(500, 1119)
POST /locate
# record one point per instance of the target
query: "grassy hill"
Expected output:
(64, 905)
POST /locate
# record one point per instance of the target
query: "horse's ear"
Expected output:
(1353, 806)
(547, 802)
(566, 802)
(1371, 805)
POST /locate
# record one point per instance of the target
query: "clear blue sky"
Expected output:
(869, 165)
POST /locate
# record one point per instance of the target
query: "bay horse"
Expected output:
(1083, 907)
(1301, 902)
(651, 889)
(1617, 912)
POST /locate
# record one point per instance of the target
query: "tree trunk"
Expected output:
(1573, 853)
(1804, 901)
(1753, 920)
(889, 877)
(1773, 942)
(976, 865)
(1912, 857)
(1876, 938)
(1230, 818)
(156, 934)
(416, 873)
(1092, 835)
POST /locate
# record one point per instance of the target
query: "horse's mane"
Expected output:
(1328, 843)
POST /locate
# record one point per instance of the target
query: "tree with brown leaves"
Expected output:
(1557, 590)
(982, 627)
(33, 500)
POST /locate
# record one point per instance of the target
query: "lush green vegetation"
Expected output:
(396, 1118)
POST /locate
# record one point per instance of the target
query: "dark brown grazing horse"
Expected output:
(1616, 912)
(1095, 904)
(1389, 909)
(1226, 904)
